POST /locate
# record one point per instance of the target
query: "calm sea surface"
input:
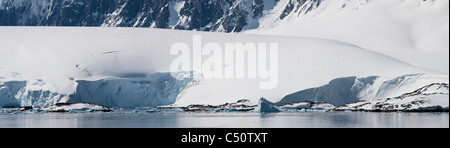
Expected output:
(127, 119)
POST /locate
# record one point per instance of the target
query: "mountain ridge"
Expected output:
(203, 15)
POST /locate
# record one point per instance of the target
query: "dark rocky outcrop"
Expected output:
(203, 15)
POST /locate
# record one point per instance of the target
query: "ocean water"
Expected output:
(129, 119)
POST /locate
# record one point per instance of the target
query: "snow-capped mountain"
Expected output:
(413, 31)
(205, 15)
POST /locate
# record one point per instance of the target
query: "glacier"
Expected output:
(162, 90)
(16, 94)
(158, 89)
(128, 67)
(372, 51)
(8, 90)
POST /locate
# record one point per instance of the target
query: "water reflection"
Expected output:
(227, 120)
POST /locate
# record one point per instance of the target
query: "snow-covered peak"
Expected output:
(205, 15)
(296, 8)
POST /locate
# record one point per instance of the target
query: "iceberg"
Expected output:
(265, 106)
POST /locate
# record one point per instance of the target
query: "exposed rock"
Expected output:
(74, 107)
(205, 15)
(430, 98)
(239, 106)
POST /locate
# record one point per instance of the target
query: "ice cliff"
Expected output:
(135, 91)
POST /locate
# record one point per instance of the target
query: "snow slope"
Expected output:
(347, 90)
(413, 31)
(56, 61)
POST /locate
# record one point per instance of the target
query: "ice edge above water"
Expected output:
(161, 89)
